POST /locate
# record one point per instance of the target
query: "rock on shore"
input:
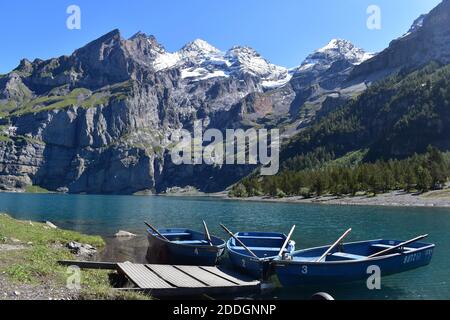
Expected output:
(124, 234)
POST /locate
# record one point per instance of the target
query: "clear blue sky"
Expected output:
(283, 31)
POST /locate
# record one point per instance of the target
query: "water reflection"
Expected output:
(121, 250)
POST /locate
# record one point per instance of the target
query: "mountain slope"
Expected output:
(428, 39)
(371, 144)
(317, 87)
(393, 119)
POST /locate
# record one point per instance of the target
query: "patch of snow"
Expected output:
(276, 83)
(166, 61)
(417, 24)
(215, 74)
(365, 57)
(199, 74)
(192, 73)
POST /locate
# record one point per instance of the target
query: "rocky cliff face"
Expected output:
(98, 121)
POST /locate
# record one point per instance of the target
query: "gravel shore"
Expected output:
(434, 199)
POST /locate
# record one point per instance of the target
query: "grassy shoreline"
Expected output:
(29, 269)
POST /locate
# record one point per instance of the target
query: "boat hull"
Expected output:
(264, 244)
(298, 273)
(250, 266)
(166, 252)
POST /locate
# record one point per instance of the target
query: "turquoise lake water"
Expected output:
(316, 226)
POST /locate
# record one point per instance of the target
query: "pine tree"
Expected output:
(424, 179)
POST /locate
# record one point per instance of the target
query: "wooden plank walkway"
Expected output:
(143, 277)
(168, 280)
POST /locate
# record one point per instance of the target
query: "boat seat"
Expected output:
(191, 242)
(348, 256)
(305, 259)
(265, 238)
(180, 234)
(257, 249)
(386, 246)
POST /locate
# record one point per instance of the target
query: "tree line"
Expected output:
(419, 173)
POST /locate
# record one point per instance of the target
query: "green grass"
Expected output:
(35, 189)
(80, 97)
(95, 100)
(5, 138)
(37, 264)
(40, 234)
(46, 103)
(31, 140)
(350, 159)
(7, 106)
(96, 286)
(439, 194)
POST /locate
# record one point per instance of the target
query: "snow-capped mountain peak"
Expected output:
(242, 52)
(200, 46)
(246, 60)
(199, 60)
(199, 52)
(337, 44)
(195, 54)
(335, 50)
(339, 49)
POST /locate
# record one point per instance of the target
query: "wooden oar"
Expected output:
(208, 236)
(334, 245)
(287, 241)
(381, 253)
(239, 241)
(155, 231)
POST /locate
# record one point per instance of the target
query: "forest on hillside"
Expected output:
(393, 119)
(419, 173)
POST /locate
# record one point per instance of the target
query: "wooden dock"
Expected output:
(172, 281)
(168, 280)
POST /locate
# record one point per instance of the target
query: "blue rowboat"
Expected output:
(183, 247)
(265, 245)
(351, 262)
